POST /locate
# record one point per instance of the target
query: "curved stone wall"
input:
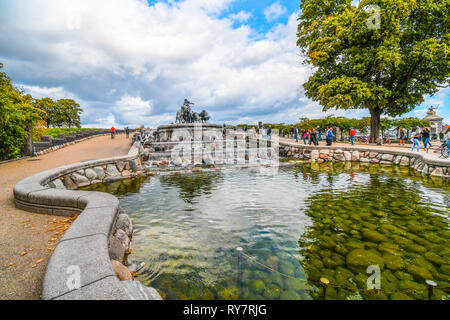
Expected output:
(423, 163)
(94, 239)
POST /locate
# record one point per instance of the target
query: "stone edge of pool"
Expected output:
(88, 246)
(89, 242)
(420, 162)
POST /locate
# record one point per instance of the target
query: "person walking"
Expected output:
(127, 132)
(269, 132)
(415, 136)
(292, 131)
(309, 136)
(316, 135)
(296, 134)
(426, 136)
(402, 137)
(319, 133)
(113, 132)
(330, 137)
(447, 141)
(352, 136)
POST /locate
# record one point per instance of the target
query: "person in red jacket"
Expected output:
(113, 132)
(352, 136)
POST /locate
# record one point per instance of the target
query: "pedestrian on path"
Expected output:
(292, 131)
(426, 138)
(402, 137)
(447, 141)
(415, 135)
(352, 136)
(304, 136)
(330, 137)
(127, 132)
(296, 134)
(319, 131)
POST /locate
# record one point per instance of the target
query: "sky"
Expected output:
(133, 62)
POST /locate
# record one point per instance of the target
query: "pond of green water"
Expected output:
(307, 222)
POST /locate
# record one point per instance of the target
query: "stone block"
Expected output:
(80, 180)
(91, 222)
(111, 171)
(88, 255)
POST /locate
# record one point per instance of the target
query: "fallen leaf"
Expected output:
(10, 264)
(23, 253)
(40, 260)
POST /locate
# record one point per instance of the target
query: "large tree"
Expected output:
(380, 55)
(16, 116)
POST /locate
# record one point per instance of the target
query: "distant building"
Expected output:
(435, 122)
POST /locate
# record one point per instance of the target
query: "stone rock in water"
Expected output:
(124, 223)
(116, 249)
(121, 271)
(359, 260)
(355, 156)
(347, 156)
(404, 162)
(90, 174)
(112, 171)
(100, 173)
(123, 238)
(314, 154)
(68, 182)
(79, 180)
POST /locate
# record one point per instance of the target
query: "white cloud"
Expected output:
(275, 11)
(129, 64)
(241, 16)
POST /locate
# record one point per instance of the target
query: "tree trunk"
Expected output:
(375, 116)
(29, 142)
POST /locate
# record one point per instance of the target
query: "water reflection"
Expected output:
(187, 229)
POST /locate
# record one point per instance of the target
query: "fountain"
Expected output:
(191, 140)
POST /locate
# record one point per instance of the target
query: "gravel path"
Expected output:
(26, 242)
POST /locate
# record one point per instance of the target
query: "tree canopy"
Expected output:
(19, 110)
(16, 113)
(386, 68)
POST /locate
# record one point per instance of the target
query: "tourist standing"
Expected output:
(352, 136)
(304, 136)
(316, 137)
(415, 135)
(319, 132)
(330, 137)
(402, 137)
(426, 138)
(292, 131)
(309, 136)
(127, 132)
(113, 132)
(296, 134)
(447, 141)
(269, 132)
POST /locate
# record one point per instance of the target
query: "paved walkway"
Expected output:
(393, 146)
(27, 239)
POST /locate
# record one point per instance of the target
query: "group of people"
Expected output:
(313, 136)
(416, 136)
(113, 132)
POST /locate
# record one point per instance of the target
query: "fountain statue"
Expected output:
(186, 115)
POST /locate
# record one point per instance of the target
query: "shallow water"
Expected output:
(306, 222)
